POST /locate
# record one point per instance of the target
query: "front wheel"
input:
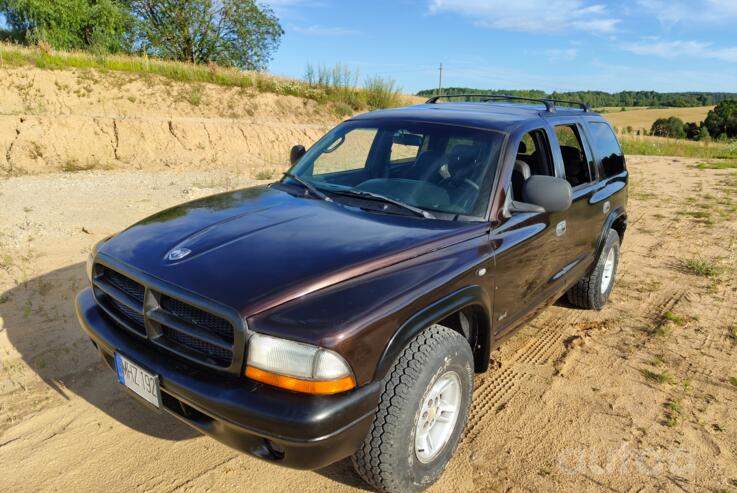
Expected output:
(422, 411)
(592, 292)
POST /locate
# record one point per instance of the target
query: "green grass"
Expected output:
(673, 412)
(674, 317)
(733, 381)
(663, 377)
(653, 146)
(702, 267)
(717, 165)
(378, 93)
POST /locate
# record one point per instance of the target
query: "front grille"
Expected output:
(200, 318)
(125, 284)
(172, 324)
(132, 315)
(221, 356)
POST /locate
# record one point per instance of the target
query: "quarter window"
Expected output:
(606, 148)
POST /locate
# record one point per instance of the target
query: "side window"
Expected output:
(405, 147)
(533, 158)
(606, 148)
(574, 157)
(346, 154)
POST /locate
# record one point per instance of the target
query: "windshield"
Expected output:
(439, 168)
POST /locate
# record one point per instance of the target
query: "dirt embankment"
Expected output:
(640, 396)
(67, 120)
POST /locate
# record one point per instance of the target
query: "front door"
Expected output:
(528, 246)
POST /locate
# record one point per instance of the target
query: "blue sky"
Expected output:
(662, 45)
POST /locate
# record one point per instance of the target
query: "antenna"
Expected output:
(440, 81)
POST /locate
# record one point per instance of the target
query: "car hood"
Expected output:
(255, 248)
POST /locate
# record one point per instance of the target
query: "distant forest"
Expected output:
(598, 99)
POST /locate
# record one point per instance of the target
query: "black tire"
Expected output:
(587, 293)
(386, 459)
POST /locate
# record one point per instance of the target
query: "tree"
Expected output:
(723, 119)
(669, 127)
(704, 134)
(692, 131)
(96, 25)
(236, 33)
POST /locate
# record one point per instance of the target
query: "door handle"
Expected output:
(607, 206)
(560, 228)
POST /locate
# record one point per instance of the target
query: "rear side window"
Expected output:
(574, 157)
(606, 148)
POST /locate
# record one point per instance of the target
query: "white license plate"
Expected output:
(140, 381)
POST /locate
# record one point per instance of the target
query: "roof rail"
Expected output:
(550, 104)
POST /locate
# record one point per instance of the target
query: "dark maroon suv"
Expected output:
(344, 310)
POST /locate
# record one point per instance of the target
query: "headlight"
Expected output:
(91, 257)
(297, 366)
(90, 264)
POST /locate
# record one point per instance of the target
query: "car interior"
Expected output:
(437, 168)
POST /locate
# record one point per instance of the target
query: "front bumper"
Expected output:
(295, 430)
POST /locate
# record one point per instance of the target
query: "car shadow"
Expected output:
(343, 472)
(41, 324)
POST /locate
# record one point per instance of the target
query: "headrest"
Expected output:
(570, 154)
(522, 168)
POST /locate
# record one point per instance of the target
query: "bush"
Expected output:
(669, 127)
(381, 92)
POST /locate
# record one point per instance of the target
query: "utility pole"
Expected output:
(440, 81)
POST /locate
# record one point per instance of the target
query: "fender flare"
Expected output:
(613, 217)
(433, 313)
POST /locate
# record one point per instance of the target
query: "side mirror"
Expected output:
(550, 193)
(296, 154)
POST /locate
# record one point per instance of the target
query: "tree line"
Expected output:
(720, 124)
(238, 33)
(598, 99)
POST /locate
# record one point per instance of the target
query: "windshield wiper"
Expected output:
(312, 189)
(375, 196)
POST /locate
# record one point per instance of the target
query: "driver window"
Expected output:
(346, 154)
(533, 158)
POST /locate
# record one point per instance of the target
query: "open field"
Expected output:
(637, 397)
(640, 119)
(660, 146)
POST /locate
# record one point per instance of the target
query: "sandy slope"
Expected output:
(566, 406)
(56, 119)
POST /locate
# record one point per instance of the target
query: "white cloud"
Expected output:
(670, 12)
(532, 15)
(677, 49)
(317, 30)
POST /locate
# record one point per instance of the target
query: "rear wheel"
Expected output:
(592, 292)
(422, 411)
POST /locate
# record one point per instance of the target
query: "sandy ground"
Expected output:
(636, 397)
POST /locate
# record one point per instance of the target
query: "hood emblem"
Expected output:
(178, 254)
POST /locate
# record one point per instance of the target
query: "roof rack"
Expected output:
(550, 104)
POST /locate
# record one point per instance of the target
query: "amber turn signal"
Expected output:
(323, 387)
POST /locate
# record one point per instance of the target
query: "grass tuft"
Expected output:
(733, 381)
(702, 267)
(661, 378)
(673, 412)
